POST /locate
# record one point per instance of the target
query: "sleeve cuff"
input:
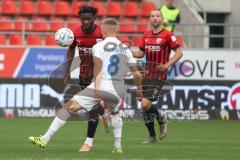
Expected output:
(175, 47)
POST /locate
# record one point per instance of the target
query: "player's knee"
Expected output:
(93, 114)
(74, 107)
(116, 121)
(145, 104)
(100, 110)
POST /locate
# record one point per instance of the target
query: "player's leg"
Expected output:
(104, 112)
(114, 99)
(91, 129)
(148, 116)
(161, 117)
(117, 123)
(59, 121)
(163, 124)
(151, 93)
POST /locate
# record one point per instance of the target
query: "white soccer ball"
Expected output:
(64, 37)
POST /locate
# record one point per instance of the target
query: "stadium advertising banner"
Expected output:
(207, 65)
(189, 100)
(194, 65)
(30, 62)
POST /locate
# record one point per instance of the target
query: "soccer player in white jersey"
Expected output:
(112, 61)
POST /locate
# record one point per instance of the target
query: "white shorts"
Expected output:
(108, 92)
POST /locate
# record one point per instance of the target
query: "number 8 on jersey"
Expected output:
(113, 65)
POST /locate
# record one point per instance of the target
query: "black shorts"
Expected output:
(84, 82)
(153, 88)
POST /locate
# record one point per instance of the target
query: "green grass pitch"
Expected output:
(186, 140)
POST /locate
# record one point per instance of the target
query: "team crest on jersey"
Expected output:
(98, 40)
(78, 41)
(158, 40)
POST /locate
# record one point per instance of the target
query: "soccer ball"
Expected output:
(64, 37)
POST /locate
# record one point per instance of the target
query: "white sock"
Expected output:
(54, 127)
(117, 142)
(117, 124)
(89, 141)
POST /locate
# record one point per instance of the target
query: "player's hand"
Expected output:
(139, 95)
(67, 78)
(162, 67)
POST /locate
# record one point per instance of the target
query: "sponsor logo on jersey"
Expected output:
(153, 47)
(85, 50)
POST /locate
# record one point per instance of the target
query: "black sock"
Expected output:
(100, 110)
(149, 122)
(92, 123)
(154, 111)
(92, 126)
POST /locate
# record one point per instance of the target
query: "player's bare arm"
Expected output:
(70, 56)
(138, 54)
(177, 56)
(137, 80)
(97, 75)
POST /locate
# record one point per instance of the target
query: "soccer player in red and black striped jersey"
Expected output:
(156, 45)
(85, 37)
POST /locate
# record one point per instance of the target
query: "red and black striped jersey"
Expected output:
(157, 48)
(85, 42)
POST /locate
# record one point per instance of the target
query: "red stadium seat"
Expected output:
(99, 6)
(126, 25)
(5, 23)
(3, 40)
(34, 40)
(19, 23)
(143, 26)
(114, 9)
(16, 39)
(147, 7)
(73, 23)
(75, 7)
(62, 8)
(50, 40)
(39, 24)
(26, 7)
(9, 7)
(137, 41)
(131, 9)
(47, 7)
(125, 40)
(56, 23)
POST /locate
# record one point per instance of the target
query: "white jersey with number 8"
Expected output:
(116, 58)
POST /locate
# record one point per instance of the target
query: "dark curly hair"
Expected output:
(87, 9)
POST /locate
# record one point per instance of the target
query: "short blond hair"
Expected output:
(110, 21)
(110, 24)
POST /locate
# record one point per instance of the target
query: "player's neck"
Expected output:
(110, 35)
(158, 29)
(89, 30)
